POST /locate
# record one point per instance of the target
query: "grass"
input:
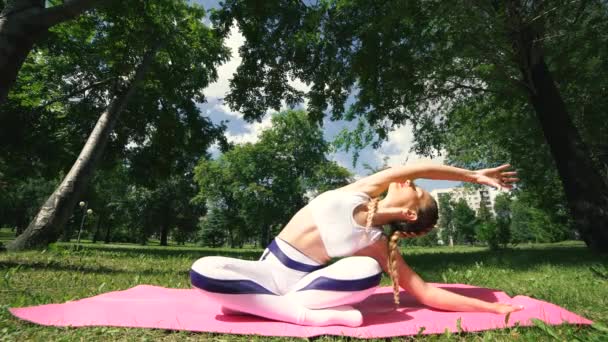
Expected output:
(567, 274)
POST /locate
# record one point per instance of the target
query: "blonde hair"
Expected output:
(393, 245)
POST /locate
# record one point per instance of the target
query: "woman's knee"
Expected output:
(210, 265)
(363, 266)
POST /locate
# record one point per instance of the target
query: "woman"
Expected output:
(291, 283)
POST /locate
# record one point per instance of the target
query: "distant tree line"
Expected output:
(514, 220)
(244, 196)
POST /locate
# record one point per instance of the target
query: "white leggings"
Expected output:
(288, 286)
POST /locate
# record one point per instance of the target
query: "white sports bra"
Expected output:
(332, 212)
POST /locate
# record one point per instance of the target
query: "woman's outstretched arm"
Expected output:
(428, 294)
(377, 183)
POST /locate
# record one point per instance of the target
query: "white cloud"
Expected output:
(222, 107)
(219, 88)
(253, 131)
(397, 149)
(299, 85)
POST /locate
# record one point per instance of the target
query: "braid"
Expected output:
(372, 207)
(427, 217)
(393, 249)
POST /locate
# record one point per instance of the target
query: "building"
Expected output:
(473, 197)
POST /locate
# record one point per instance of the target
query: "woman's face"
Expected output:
(405, 195)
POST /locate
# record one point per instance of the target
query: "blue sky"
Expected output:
(396, 148)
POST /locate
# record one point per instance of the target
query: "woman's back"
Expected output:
(331, 225)
(301, 232)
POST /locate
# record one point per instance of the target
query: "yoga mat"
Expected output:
(147, 306)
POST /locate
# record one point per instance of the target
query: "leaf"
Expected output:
(545, 327)
(507, 318)
(459, 325)
(599, 327)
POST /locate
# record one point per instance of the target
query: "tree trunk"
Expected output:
(22, 23)
(21, 223)
(163, 235)
(585, 189)
(164, 229)
(97, 228)
(107, 238)
(46, 225)
(231, 238)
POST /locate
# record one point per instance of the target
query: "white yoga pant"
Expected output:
(288, 286)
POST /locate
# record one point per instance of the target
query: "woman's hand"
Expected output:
(501, 308)
(497, 177)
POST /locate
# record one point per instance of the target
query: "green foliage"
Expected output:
(429, 239)
(530, 224)
(502, 208)
(67, 82)
(263, 185)
(401, 58)
(487, 232)
(499, 137)
(450, 69)
(214, 228)
(464, 222)
(445, 223)
(23, 199)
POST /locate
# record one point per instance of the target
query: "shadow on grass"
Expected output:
(518, 259)
(136, 250)
(59, 266)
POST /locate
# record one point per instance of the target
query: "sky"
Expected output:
(395, 149)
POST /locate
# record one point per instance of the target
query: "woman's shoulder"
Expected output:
(344, 192)
(356, 187)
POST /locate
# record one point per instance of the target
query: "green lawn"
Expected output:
(567, 274)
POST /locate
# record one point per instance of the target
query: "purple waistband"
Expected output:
(287, 261)
(229, 286)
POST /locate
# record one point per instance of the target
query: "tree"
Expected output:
(502, 208)
(499, 138)
(214, 228)
(180, 51)
(263, 185)
(530, 224)
(464, 222)
(446, 218)
(427, 240)
(55, 212)
(487, 232)
(403, 59)
(487, 229)
(22, 24)
(169, 208)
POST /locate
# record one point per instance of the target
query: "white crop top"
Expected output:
(332, 212)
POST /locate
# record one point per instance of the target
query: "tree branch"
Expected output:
(464, 86)
(68, 10)
(15, 7)
(75, 92)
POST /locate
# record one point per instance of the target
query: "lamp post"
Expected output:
(85, 213)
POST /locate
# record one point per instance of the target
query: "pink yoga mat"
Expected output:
(147, 306)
